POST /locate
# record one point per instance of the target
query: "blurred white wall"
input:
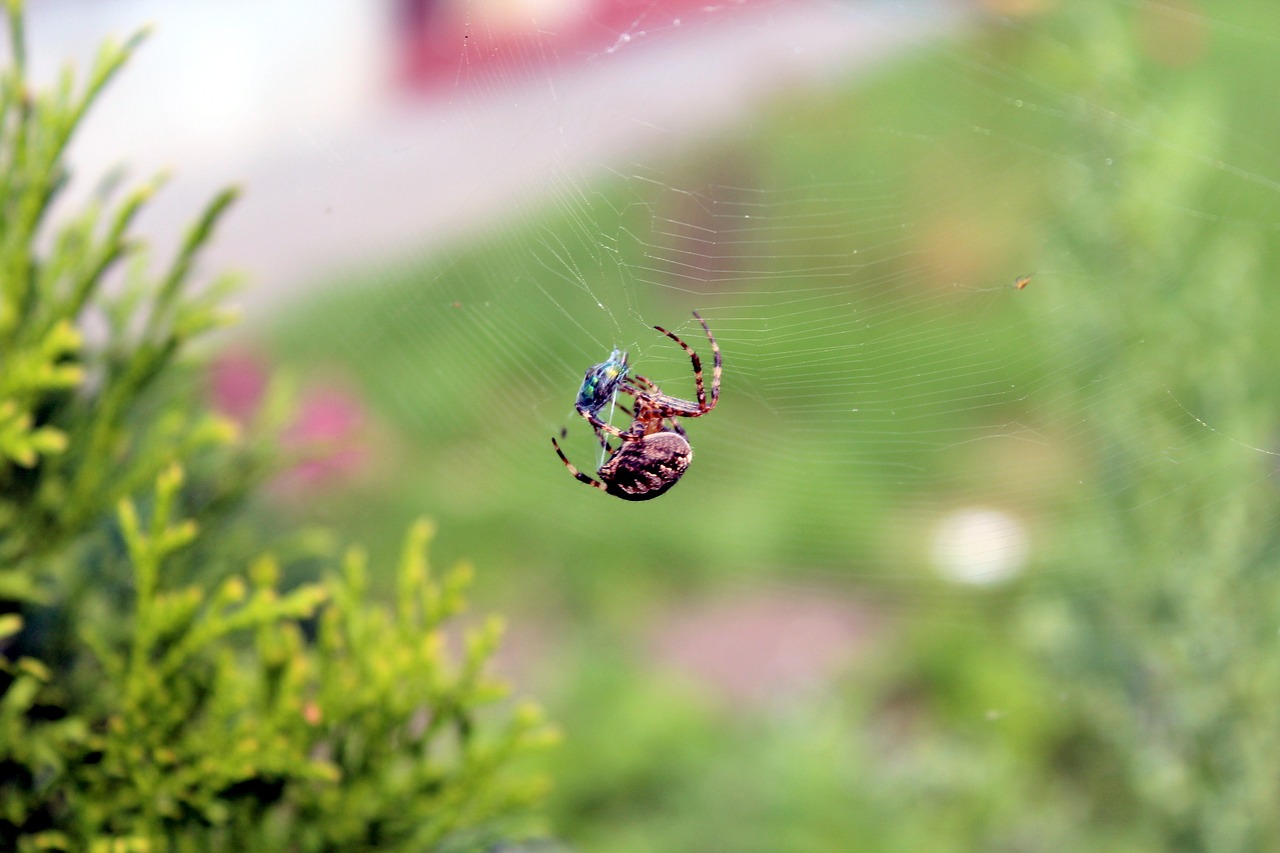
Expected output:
(297, 101)
(218, 81)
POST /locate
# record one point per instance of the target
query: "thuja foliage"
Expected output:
(157, 691)
(357, 731)
(1162, 646)
(1135, 691)
(67, 451)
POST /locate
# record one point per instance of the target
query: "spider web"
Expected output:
(993, 285)
(895, 406)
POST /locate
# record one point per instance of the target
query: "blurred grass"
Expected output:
(1121, 696)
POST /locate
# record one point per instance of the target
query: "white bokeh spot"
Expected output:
(979, 545)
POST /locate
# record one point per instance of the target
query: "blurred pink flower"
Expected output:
(761, 650)
(237, 383)
(329, 434)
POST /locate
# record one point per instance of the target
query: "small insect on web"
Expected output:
(600, 385)
(654, 451)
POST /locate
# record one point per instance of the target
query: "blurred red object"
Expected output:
(237, 383)
(329, 434)
(446, 43)
(765, 649)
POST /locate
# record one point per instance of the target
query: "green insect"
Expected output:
(600, 384)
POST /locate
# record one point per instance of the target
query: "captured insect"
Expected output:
(654, 451)
(600, 385)
(1021, 281)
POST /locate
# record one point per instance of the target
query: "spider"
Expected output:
(654, 451)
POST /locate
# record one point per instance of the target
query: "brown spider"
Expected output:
(654, 451)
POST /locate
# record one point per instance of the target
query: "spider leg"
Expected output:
(604, 441)
(581, 477)
(652, 404)
(703, 408)
(599, 425)
(672, 423)
(656, 409)
(715, 367)
(600, 437)
(650, 387)
(697, 366)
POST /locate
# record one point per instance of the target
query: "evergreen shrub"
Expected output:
(160, 689)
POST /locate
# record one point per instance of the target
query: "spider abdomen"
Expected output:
(646, 468)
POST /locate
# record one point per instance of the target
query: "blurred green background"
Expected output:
(768, 658)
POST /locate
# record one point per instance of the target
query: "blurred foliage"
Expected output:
(154, 695)
(1118, 697)
(67, 455)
